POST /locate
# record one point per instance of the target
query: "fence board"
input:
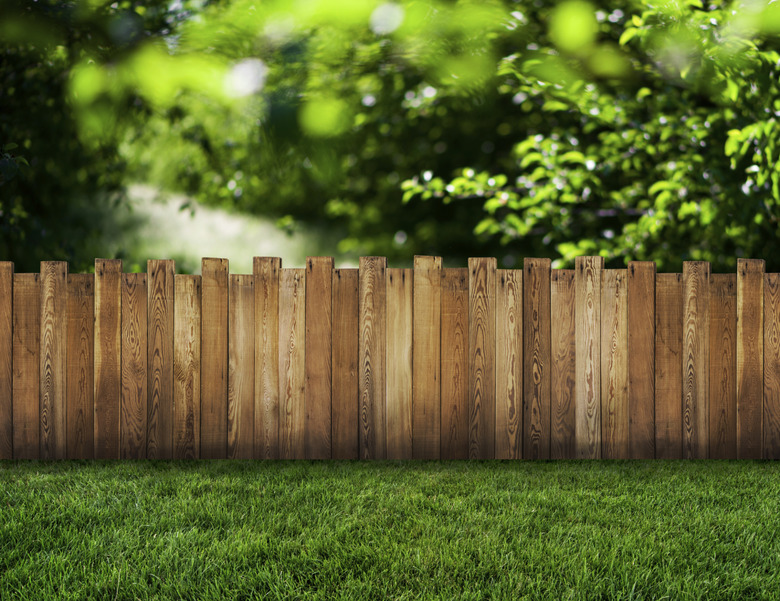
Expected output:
(292, 370)
(344, 423)
(80, 359)
(587, 436)
(241, 367)
(750, 357)
(614, 365)
(160, 309)
(696, 277)
(771, 442)
(723, 366)
(187, 367)
(319, 335)
(6, 360)
(108, 352)
(54, 283)
(536, 358)
(266, 271)
(563, 359)
(668, 365)
(454, 363)
(134, 373)
(399, 393)
(426, 358)
(26, 365)
(482, 366)
(641, 359)
(509, 364)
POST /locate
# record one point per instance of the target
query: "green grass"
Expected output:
(244, 530)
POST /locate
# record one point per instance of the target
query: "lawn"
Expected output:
(343, 530)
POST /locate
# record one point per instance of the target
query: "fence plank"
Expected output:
(509, 364)
(482, 350)
(587, 436)
(292, 370)
(26, 366)
(319, 336)
(160, 337)
(723, 366)
(750, 357)
(668, 365)
(344, 422)
(537, 377)
(641, 359)
(134, 373)
(108, 352)
(696, 277)
(399, 363)
(426, 358)
(563, 360)
(54, 283)
(373, 321)
(186, 367)
(241, 368)
(266, 271)
(80, 359)
(771, 442)
(454, 363)
(6, 360)
(614, 365)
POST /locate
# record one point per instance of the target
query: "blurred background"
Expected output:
(635, 130)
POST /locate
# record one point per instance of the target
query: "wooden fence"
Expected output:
(377, 363)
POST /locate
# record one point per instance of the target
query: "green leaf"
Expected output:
(627, 35)
(10, 146)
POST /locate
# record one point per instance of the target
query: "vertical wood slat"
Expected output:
(454, 363)
(614, 365)
(186, 367)
(588, 274)
(6, 360)
(537, 376)
(482, 366)
(771, 425)
(53, 366)
(563, 374)
(26, 365)
(372, 346)
(426, 358)
(134, 373)
(241, 368)
(292, 370)
(509, 364)
(668, 365)
(695, 410)
(344, 421)
(723, 366)
(160, 340)
(80, 381)
(399, 391)
(641, 359)
(319, 337)
(108, 357)
(267, 272)
(750, 357)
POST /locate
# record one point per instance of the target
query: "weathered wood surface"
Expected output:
(723, 366)
(400, 301)
(6, 360)
(641, 359)
(696, 348)
(588, 273)
(454, 363)
(771, 426)
(750, 358)
(509, 364)
(292, 369)
(53, 366)
(108, 353)
(537, 359)
(668, 365)
(80, 381)
(267, 271)
(160, 337)
(26, 367)
(241, 367)
(563, 360)
(482, 364)
(134, 373)
(187, 367)
(344, 421)
(614, 365)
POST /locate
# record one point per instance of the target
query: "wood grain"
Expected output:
(6, 360)
(134, 372)
(344, 421)
(241, 368)
(53, 366)
(399, 363)
(641, 359)
(80, 381)
(563, 360)
(537, 359)
(668, 365)
(187, 367)
(750, 357)
(26, 366)
(427, 358)
(482, 364)
(454, 363)
(587, 434)
(160, 309)
(614, 364)
(292, 372)
(723, 366)
(266, 271)
(319, 342)
(771, 442)
(509, 364)
(695, 415)
(108, 357)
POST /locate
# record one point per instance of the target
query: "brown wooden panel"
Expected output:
(134, 373)
(159, 419)
(723, 366)
(53, 366)
(641, 359)
(372, 347)
(108, 353)
(80, 380)
(426, 358)
(614, 364)
(266, 272)
(26, 366)
(6, 360)
(344, 424)
(563, 348)
(696, 346)
(668, 365)
(482, 364)
(399, 363)
(454, 363)
(771, 366)
(509, 364)
(750, 357)
(187, 367)
(587, 434)
(537, 377)
(241, 368)
(292, 372)
(319, 338)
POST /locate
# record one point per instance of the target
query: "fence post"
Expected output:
(292, 369)
(455, 363)
(186, 366)
(695, 358)
(399, 363)
(26, 366)
(54, 283)
(266, 271)
(6, 360)
(614, 365)
(771, 425)
(344, 420)
(159, 436)
(108, 352)
(241, 367)
(536, 357)
(641, 359)
(723, 366)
